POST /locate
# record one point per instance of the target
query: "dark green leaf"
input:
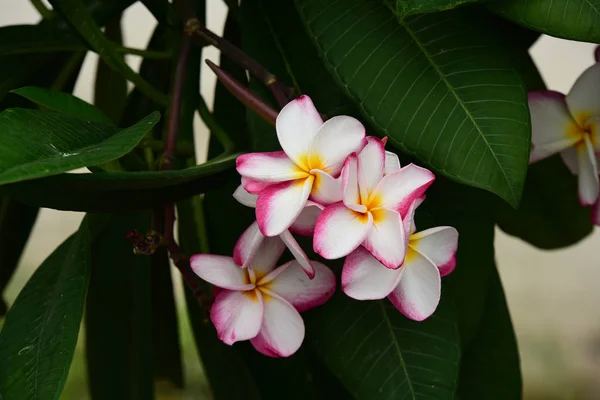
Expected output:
(490, 367)
(404, 8)
(118, 340)
(41, 38)
(35, 144)
(16, 223)
(569, 19)
(453, 100)
(117, 191)
(38, 339)
(64, 103)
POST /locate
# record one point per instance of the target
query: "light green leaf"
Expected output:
(404, 8)
(64, 103)
(441, 86)
(34, 144)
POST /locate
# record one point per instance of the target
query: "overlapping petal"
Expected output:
(305, 223)
(244, 197)
(254, 186)
(326, 189)
(365, 278)
(392, 163)
(298, 253)
(371, 161)
(275, 166)
(351, 197)
(588, 173)
(386, 240)
(583, 100)
(439, 245)
(220, 271)
(237, 315)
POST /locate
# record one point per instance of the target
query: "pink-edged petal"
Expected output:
(569, 157)
(326, 189)
(588, 172)
(297, 125)
(337, 138)
(237, 315)
(267, 255)
(282, 330)
(278, 205)
(583, 100)
(220, 271)
(392, 163)
(552, 125)
(298, 253)
(254, 186)
(244, 197)
(247, 245)
(596, 213)
(387, 239)
(418, 292)
(439, 245)
(398, 190)
(371, 161)
(305, 223)
(351, 194)
(365, 278)
(275, 166)
(340, 230)
(303, 293)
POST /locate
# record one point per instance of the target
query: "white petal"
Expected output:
(244, 197)
(305, 223)
(326, 189)
(278, 205)
(269, 167)
(303, 293)
(220, 271)
(298, 253)
(267, 255)
(337, 138)
(418, 292)
(339, 231)
(365, 278)
(439, 245)
(351, 194)
(387, 240)
(552, 126)
(371, 161)
(247, 245)
(583, 99)
(392, 163)
(254, 186)
(569, 157)
(297, 125)
(588, 173)
(237, 315)
(282, 331)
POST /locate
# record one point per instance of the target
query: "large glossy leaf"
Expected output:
(569, 19)
(117, 191)
(16, 223)
(118, 340)
(34, 144)
(404, 8)
(38, 339)
(453, 100)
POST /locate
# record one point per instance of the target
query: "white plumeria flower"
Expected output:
(373, 207)
(312, 158)
(252, 238)
(414, 289)
(261, 303)
(570, 125)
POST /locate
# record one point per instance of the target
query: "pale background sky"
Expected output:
(553, 295)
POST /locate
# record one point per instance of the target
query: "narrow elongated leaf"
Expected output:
(569, 19)
(404, 8)
(16, 223)
(453, 100)
(64, 103)
(38, 339)
(34, 144)
(40, 38)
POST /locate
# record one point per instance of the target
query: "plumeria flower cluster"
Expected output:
(570, 125)
(334, 183)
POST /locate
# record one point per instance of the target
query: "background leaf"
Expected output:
(467, 116)
(404, 8)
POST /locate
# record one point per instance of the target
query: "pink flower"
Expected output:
(312, 158)
(570, 125)
(261, 303)
(373, 207)
(415, 287)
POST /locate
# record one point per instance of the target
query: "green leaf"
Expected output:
(81, 19)
(64, 103)
(404, 8)
(16, 223)
(118, 191)
(118, 340)
(490, 364)
(40, 38)
(38, 339)
(569, 19)
(453, 100)
(34, 144)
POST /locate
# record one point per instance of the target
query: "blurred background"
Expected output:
(553, 296)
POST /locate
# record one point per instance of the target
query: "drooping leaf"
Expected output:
(38, 339)
(64, 103)
(118, 340)
(16, 223)
(452, 100)
(34, 144)
(118, 191)
(404, 8)
(568, 19)
(40, 38)
(490, 364)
